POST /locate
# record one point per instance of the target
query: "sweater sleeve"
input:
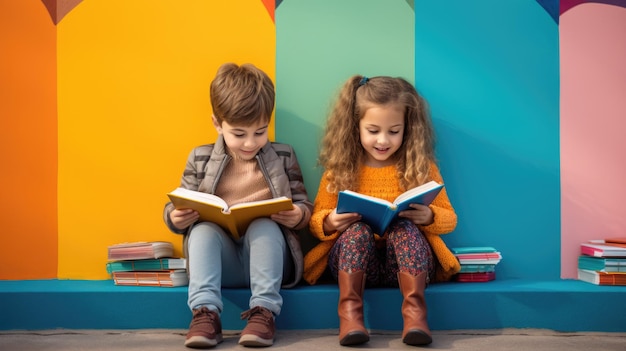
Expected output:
(445, 222)
(445, 217)
(325, 203)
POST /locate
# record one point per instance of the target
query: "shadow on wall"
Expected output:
(305, 138)
(514, 207)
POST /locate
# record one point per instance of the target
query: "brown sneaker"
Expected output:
(205, 329)
(260, 328)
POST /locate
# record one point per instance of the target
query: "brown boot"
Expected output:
(351, 327)
(416, 331)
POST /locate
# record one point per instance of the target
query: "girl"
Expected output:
(379, 141)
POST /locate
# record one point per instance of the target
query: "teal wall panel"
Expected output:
(492, 80)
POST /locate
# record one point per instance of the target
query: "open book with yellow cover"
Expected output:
(235, 219)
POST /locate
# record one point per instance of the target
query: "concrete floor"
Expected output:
(302, 340)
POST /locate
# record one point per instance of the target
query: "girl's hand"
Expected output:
(419, 214)
(183, 218)
(339, 221)
(290, 218)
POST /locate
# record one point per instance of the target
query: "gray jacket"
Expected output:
(280, 167)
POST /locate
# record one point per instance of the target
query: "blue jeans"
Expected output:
(258, 260)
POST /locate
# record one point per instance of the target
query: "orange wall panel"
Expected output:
(28, 141)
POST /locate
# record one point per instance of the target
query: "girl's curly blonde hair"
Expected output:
(341, 153)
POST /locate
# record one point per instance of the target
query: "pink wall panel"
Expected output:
(593, 107)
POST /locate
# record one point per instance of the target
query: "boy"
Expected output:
(241, 166)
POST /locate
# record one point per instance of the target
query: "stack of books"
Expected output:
(146, 264)
(603, 261)
(478, 263)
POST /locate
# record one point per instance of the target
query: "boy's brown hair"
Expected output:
(241, 95)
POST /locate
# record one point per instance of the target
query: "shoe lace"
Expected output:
(203, 316)
(257, 314)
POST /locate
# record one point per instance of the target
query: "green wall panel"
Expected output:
(320, 44)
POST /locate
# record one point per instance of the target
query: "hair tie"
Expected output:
(363, 80)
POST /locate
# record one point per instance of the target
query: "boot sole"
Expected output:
(354, 338)
(417, 337)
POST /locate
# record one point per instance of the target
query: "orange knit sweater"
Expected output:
(382, 183)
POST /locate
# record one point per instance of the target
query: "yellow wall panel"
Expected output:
(133, 100)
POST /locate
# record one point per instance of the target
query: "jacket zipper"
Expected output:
(266, 175)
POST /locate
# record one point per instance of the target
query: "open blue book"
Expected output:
(379, 213)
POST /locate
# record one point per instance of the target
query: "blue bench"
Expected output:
(563, 305)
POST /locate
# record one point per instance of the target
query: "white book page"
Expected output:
(259, 202)
(200, 196)
(415, 191)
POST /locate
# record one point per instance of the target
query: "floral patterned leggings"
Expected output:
(405, 249)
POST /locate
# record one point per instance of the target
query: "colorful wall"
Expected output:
(100, 102)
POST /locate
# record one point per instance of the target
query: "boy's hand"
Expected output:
(419, 214)
(339, 221)
(290, 218)
(183, 218)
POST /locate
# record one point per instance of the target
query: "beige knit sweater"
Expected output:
(242, 181)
